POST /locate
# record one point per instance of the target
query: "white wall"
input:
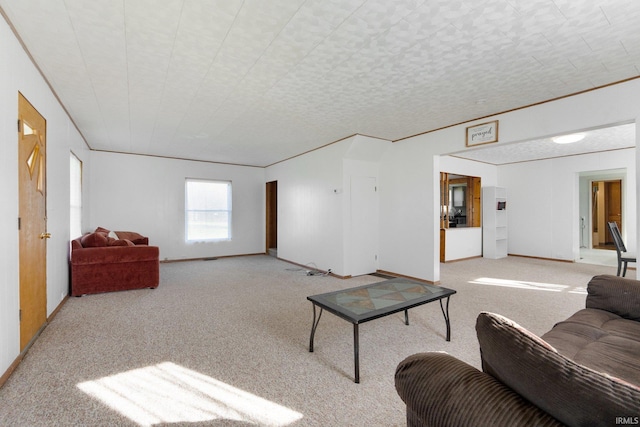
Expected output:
(544, 213)
(314, 201)
(310, 207)
(18, 74)
(146, 195)
(410, 177)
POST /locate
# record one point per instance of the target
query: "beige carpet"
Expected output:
(225, 342)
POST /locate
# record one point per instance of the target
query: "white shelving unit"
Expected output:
(494, 222)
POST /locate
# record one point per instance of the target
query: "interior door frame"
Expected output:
(32, 227)
(364, 224)
(594, 217)
(271, 214)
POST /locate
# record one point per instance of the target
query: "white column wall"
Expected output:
(310, 207)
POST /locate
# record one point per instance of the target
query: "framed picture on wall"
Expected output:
(484, 133)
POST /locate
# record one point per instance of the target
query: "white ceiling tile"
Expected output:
(253, 82)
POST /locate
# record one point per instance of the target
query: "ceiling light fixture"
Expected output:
(568, 139)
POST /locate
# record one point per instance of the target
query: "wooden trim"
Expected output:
(557, 260)
(55, 95)
(178, 158)
(18, 360)
(461, 259)
(55, 312)
(315, 149)
(213, 258)
(306, 266)
(390, 273)
(542, 258)
(518, 108)
(12, 368)
(460, 155)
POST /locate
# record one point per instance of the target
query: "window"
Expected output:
(75, 195)
(207, 210)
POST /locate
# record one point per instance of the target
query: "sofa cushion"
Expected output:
(136, 238)
(600, 340)
(570, 392)
(120, 242)
(93, 240)
(615, 294)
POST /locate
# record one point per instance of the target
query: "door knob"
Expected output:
(45, 235)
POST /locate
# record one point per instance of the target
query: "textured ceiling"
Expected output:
(595, 141)
(254, 82)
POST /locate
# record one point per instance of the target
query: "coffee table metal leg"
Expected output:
(406, 317)
(356, 352)
(446, 318)
(314, 326)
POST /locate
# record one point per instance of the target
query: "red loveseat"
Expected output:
(104, 262)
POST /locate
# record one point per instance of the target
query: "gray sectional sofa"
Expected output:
(584, 372)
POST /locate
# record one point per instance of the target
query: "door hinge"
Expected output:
(376, 257)
(18, 125)
(20, 315)
(19, 223)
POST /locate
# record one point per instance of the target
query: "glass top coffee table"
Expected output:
(369, 302)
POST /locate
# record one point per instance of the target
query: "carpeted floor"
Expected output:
(225, 343)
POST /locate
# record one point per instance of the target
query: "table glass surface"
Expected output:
(379, 299)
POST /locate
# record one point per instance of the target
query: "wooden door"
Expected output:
(32, 220)
(613, 203)
(272, 215)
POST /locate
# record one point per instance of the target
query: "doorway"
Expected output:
(32, 221)
(272, 218)
(364, 225)
(606, 207)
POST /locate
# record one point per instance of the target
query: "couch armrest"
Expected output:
(616, 295)
(440, 390)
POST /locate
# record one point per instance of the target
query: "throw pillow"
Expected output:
(121, 242)
(571, 393)
(93, 240)
(102, 230)
(136, 238)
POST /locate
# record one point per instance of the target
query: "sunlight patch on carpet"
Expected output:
(169, 393)
(536, 286)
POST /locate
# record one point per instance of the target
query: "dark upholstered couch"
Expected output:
(102, 263)
(584, 372)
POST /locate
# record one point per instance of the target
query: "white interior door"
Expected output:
(364, 225)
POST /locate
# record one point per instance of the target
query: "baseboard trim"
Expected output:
(12, 367)
(212, 258)
(5, 377)
(326, 273)
(391, 273)
(461, 259)
(542, 258)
